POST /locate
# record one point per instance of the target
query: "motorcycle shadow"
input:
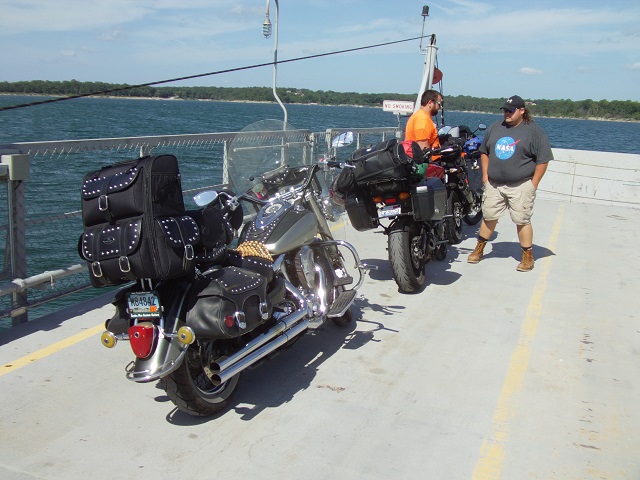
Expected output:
(292, 371)
(279, 378)
(437, 272)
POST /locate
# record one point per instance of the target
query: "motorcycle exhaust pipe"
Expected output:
(280, 328)
(247, 361)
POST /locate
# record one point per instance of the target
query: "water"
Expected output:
(106, 117)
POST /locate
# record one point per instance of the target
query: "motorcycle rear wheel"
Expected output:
(190, 387)
(406, 255)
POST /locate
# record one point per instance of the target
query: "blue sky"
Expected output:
(575, 49)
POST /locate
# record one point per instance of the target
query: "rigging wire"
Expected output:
(237, 69)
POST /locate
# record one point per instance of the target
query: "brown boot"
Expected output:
(477, 254)
(527, 262)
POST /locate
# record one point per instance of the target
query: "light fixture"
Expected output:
(266, 27)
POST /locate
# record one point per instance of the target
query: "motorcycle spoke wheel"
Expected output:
(190, 387)
(441, 252)
(453, 222)
(475, 215)
(406, 256)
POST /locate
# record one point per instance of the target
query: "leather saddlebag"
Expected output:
(139, 247)
(148, 185)
(227, 302)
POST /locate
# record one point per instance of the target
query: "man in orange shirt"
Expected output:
(420, 127)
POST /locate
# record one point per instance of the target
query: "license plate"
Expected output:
(143, 305)
(390, 211)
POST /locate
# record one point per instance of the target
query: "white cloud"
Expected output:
(633, 66)
(530, 71)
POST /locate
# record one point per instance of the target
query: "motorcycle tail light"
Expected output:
(404, 195)
(142, 338)
(390, 201)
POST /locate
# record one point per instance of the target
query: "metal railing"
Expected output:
(43, 220)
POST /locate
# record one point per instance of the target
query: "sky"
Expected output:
(539, 49)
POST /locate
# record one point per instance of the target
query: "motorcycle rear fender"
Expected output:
(166, 357)
(168, 352)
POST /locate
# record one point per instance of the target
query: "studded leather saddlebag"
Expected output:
(139, 247)
(148, 185)
(227, 302)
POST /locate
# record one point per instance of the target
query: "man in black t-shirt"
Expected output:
(514, 157)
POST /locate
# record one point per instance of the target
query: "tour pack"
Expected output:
(148, 185)
(135, 225)
(386, 160)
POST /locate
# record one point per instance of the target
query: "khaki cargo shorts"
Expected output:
(518, 198)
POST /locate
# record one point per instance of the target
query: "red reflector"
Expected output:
(142, 338)
(390, 201)
(229, 321)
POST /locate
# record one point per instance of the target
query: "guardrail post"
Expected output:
(17, 172)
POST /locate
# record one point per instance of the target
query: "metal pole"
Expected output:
(18, 247)
(429, 65)
(275, 65)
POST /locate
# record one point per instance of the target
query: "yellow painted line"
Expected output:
(50, 350)
(492, 452)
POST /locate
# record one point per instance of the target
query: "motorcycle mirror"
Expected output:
(342, 140)
(482, 126)
(205, 198)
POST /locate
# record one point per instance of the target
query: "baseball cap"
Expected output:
(513, 102)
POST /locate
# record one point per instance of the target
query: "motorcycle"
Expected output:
(248, 297)
(385, 187)
(462, 178)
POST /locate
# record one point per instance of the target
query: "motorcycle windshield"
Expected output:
(265, 147)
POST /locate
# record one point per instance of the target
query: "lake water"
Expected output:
(107, 117)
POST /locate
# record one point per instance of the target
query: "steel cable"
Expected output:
(188, 77)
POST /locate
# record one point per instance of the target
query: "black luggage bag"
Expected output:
(148, 185)
(374, 164)
(227, 302)
(386, 160)
(140, 247)
(135, 222)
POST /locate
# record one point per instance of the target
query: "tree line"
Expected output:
(610, 110)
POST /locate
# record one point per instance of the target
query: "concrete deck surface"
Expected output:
(487, 373)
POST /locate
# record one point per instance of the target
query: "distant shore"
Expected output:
(121, 97)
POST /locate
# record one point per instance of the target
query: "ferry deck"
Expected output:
(486, 373)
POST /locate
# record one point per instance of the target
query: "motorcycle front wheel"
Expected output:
(190, 387)
(406, 255)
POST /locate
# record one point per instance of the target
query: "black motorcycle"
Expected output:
(461, 172)
(380, 184)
